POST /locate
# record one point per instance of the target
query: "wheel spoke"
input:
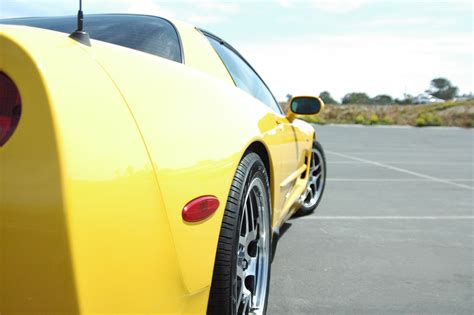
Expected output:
(317, 167)
(306, 192)
(250, 210)
(240, 296)
(246, 294)
(252, 266)
(313, 180)
(239, 301)
(317, 177)
(310, 193)
(243, 241)
(251, 236)
(246, 218)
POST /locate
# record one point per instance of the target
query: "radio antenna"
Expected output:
(79, 34)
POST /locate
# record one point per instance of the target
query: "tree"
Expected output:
(327, 98)
(356, 98)
(442, 88)
(382, 99)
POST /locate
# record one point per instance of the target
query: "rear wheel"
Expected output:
(316, 180)
(240, 282)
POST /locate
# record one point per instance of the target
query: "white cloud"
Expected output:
(225, 7)
(206, 12)
(344, 6)
(149, 7)
(334, 6)
(339, 6)
(286, 3)
(205, 19)
(406, 21)
(365, 63)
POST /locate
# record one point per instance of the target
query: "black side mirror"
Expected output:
(306, 105)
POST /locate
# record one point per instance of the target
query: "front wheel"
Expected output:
(241, 277)
(316, 181)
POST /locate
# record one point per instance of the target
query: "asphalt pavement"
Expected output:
(394, 231)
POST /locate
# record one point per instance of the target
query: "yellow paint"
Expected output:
(294, 175)
(94, 179)
(199, 55)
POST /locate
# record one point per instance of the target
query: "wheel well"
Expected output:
(259, 148)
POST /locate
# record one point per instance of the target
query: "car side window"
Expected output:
(243, 75)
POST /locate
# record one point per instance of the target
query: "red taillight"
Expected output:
(10, 108)
(200, 208)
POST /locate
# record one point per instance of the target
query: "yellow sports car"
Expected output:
(144, 170)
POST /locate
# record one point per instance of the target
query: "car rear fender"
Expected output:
(81, 216)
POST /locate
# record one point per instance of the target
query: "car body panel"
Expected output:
(127, 140)
(90, 251)
(34, 243)
(199, 54)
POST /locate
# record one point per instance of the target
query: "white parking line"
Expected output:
(428, 128)
(388, 217)
(404, 162)
(401, 170)
(408, 180)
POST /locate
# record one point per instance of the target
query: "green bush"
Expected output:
(420, 122)
(374, 119)
(437, 121)
(359, 119)
(387, 121)
(319, 120)
(314, 119)
(428, 119)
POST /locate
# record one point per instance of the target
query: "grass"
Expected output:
(460, 114)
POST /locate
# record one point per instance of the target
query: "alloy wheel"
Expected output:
(253, 252)
(316, 179)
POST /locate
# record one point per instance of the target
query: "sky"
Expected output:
(305, 47)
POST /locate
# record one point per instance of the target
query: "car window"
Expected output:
(243, 75)
(148, 34)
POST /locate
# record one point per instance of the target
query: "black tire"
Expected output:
(318, 156)
(225, 281)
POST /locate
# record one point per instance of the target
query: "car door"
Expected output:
(282, 136)
(289, 161)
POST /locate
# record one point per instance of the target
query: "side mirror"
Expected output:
(305, 105)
